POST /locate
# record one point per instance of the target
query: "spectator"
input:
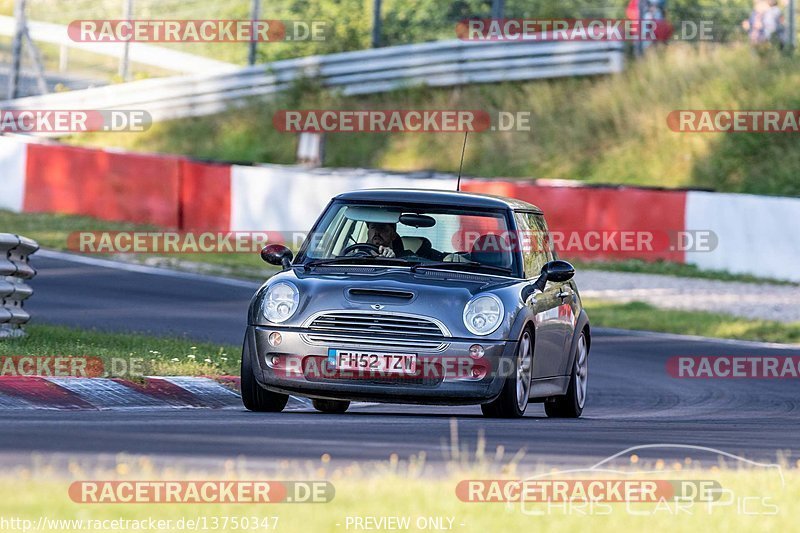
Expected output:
(652, 10)
(774, 28)
(754, 26)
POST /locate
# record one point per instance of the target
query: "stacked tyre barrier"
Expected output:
(15, 270)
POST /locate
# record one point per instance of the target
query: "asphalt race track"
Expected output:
(87, 296)
(632, 399)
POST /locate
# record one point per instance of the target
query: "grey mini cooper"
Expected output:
(426, 297)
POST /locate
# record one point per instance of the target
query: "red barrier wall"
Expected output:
(576, 211)
(106, 185)
(205, 196)
(174, 192)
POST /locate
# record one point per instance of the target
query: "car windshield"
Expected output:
(411, 235)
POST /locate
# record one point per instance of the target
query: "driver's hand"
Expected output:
(385, 251)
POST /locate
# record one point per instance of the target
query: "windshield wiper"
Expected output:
(356, 260)
(460, 265)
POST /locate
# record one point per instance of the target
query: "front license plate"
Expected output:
(388, 363)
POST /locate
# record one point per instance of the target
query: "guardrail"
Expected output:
(436, 64)
(14, 270)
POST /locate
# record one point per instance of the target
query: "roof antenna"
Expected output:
(461, 166)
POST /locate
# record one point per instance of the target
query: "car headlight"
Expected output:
(482, 315)
(280, 302)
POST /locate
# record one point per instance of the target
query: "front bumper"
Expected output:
(445, 377)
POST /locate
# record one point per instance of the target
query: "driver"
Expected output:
(390, 244)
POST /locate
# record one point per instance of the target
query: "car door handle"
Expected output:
(564, 294)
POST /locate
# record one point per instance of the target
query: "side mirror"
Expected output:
(278, 255)
(557, 271)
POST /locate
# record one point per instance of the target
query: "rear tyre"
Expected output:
(334, 407)
(254, 396)
(571, 404)
(513, 399)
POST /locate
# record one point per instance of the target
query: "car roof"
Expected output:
(427, 196)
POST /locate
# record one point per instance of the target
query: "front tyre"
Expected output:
(334, 407)
(254, 396)
(513, 399)
(571, 404)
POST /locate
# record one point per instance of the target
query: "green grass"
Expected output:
(601, 130)
(52, 230)
(665, 268)
(380, 491)
(148, 355)
(642, 316)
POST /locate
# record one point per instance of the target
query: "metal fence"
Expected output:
(14, 271)
(436, 64)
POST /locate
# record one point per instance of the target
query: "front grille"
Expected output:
(352, 322)
(379, 330)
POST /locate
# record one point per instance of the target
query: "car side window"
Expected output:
(541, 225)
(532, 241)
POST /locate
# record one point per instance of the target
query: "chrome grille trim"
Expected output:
(376, 329)
(377, 322)
(353, 326)
(373, 342)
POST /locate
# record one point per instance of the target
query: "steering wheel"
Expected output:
(364, 247)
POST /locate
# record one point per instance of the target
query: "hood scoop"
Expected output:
(391, 296)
